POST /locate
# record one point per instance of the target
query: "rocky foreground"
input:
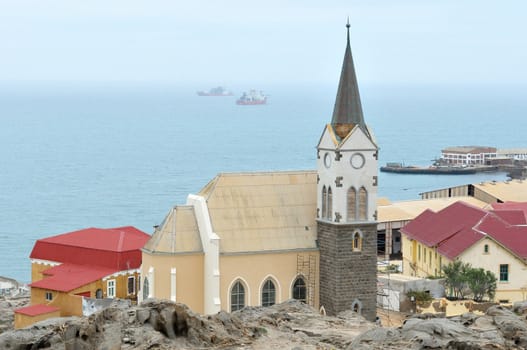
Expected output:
(158, 324)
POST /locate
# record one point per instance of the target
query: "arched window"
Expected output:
(330, 204)
(268, 293)
(324, 202)
(357, 241)
(145, 288)
(352, 204)
(356, 306)
(363, 203)
(237, 296)
(98, 294)
(299, 290)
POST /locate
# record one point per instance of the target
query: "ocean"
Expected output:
(106, 155)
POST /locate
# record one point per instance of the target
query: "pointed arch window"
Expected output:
(363, 203)
(357, 241)
(352, 204)
(330, 204)
(268, 293)
(237, 296)
(300, 290)
(145, 288)
(324, 202)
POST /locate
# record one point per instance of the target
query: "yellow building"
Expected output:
(494, 240)
(91, 263)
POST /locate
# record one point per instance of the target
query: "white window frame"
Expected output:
(49, 296)
(110, 288)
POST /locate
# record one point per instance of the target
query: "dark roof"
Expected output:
(348, 109)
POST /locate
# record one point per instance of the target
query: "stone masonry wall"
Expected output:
(346, 275)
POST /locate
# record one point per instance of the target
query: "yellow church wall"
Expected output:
(254, 269)
(189, 277)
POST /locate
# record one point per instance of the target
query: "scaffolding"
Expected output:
(306, 265)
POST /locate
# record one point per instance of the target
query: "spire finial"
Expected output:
(348, 27)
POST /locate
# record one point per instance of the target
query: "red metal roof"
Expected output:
(509, 206)
(512, 237)
(432, 228)
(67, 277)
(118, 248)
(458, 226)
(35, 310)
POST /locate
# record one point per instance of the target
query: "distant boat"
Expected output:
(217, 91)
(253, 97)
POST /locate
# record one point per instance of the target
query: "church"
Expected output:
(256, 239)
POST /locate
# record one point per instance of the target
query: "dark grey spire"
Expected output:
(348, 109)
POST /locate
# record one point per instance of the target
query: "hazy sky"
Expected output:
(272, 41)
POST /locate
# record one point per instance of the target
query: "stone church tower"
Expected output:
(346, 203)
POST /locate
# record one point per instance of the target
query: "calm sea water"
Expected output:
(105, 156)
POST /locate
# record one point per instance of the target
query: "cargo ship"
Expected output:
(217, 91)
(253, 97)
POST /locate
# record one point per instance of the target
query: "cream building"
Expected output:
(255, 239)
(494, 240)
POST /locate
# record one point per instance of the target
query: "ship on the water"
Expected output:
(217, 91)
(437, 169)
(252, 97)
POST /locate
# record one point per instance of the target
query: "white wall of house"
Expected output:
(515, 289)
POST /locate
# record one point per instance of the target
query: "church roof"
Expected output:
(348, 108)
(263, 211)
(178, 233)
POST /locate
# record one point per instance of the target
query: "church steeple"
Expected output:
(348, 109)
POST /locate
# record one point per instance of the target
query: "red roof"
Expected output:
(35, 310)
(432, 228)
(458, 226)
(512, 237)
(510, 206)
(67, 277)
(118, 248)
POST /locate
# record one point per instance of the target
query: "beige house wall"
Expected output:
(254, 269)
(189, 277)
(515, 289)
(22, 320)
(36, 271)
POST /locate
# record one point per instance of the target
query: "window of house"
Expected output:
(268, 293)
(237, 296)
(131, 285)
(504, 273)
(419, 252)
(486, 249)
(110, 288)
(430, 258)
(424, 254)
(49, 296)
(299, 290)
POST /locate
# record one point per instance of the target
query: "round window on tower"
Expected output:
(357, 160)
(327, 160)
